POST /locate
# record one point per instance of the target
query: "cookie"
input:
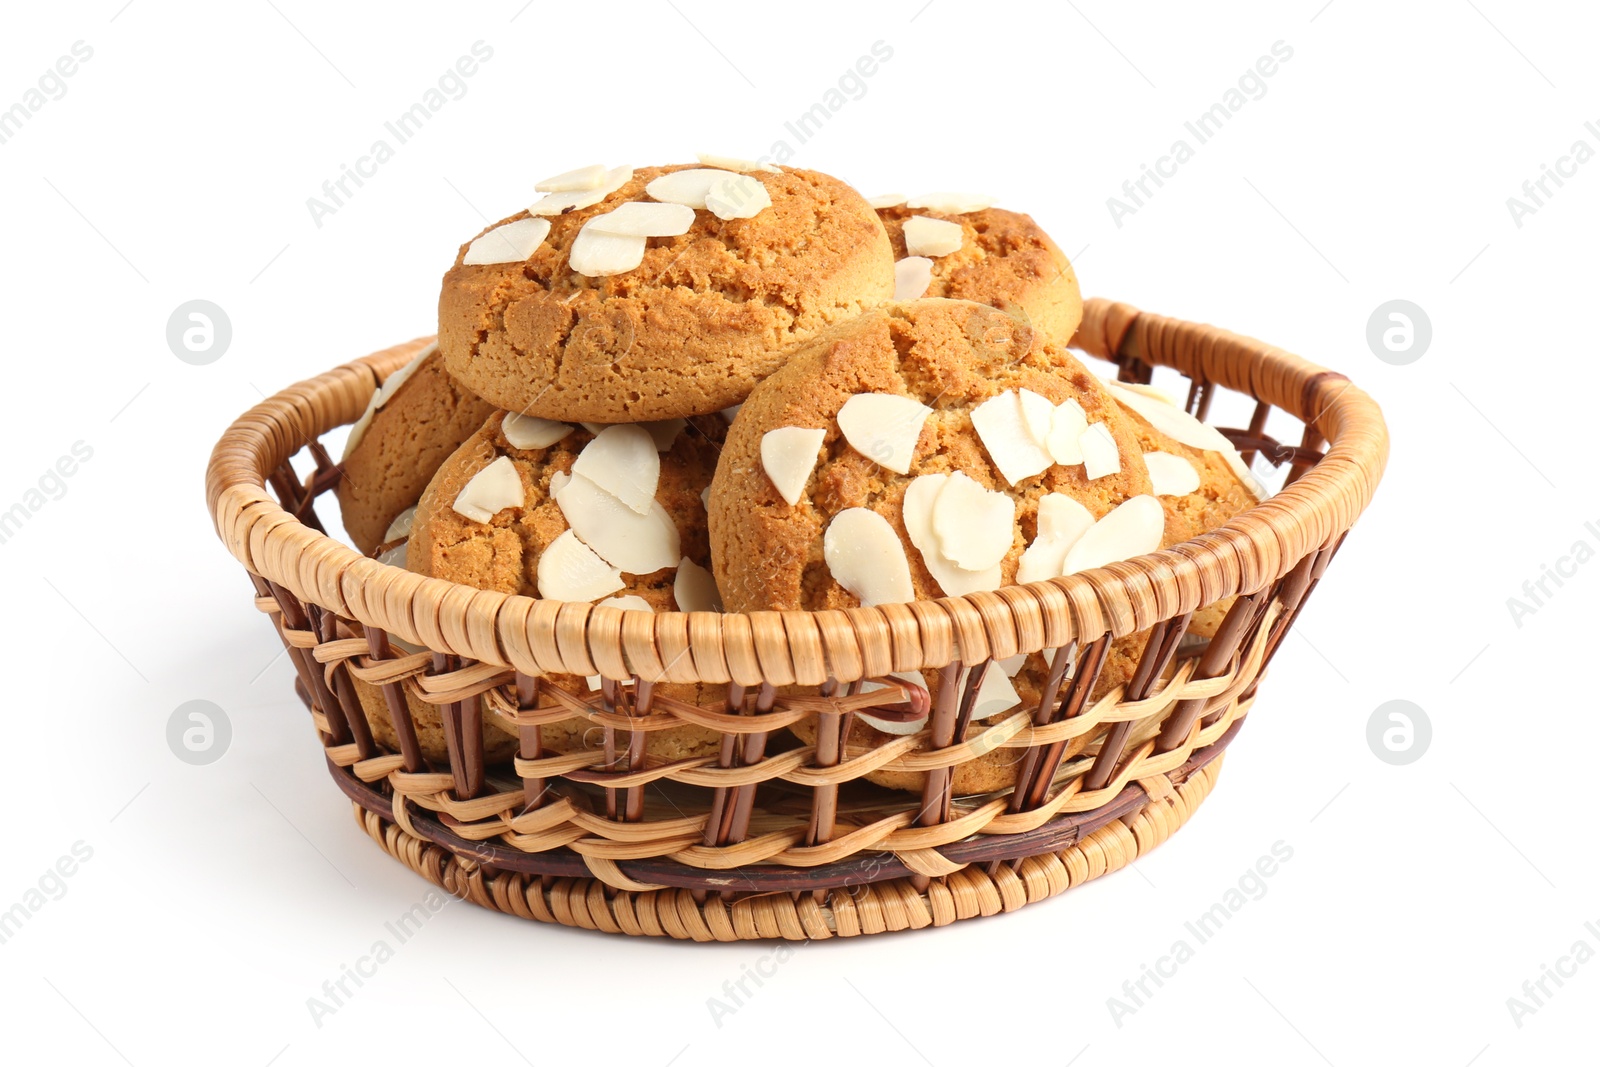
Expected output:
(848, 538)
(666, 326)
(1003, 259)
(612, 514)
(414, 421)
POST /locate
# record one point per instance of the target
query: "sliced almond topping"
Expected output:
(380, 396)
(394, 557)
(627, 603)
(737, 196)
(1100, 455)
(912, 276)
(1171, 475)
(1013, 665)
(884, 427)
(735, 163)
(788, 454)
(1133, 528)
(493, 489)
(996, 694)
(897, 729)
(865, 555)
(705, 499)
(511, 243)
(694, 589)
(1038, 414)
(623, 461)
(1170, 419)
(686, 187)
(931, 237)
(886, 201)
(633, 543)
(594, 428)
(597, 254)
(1062, 521)
(664, 431)
(1003, 428)
(573, 199)
(1066, 432)
(557, 480)
(642, 218)
(731, 413)
(570, 570)
(591, 177)
(527, 432)
(975, 526)
(401, 525)
(917, 513)
(950, 203)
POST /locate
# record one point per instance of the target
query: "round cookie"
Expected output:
(415, 419)
(1006, 260)
(952, 356)
(504, 553)
(687, 331)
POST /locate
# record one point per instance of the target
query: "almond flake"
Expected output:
(401, 525)
(597, 254)
(623, 461)
(1171, 475)
(886, 201)
(493, 489)
(686, 187)
(664, 431)
(594, 428)
(627, 603)
(394, 557)
(897, 729)
(865, 556)
(1061, 522)
(1038, 414)
(735, 163)
(591, 177)
(569, 570)
(737, 196)
(996, 694)
(730, 413)
(975, 526)
(1003, 428)
(705, 499)
(917, 513)
(788, 454)
(633, 543)
(931, 237)
(380, 396)
(557, 480)
(912, 276)
(884, 427)
(1100, 455)
(693, 588)
(574, 199)
(1133, 528)
(642, 218)
(950, 203)
(511, 243)
(527, 432)
(1170, 419)
(1066, 433)
(1013, 665)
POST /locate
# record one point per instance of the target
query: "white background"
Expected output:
(218, 899)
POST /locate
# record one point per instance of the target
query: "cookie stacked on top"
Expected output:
(744, 387)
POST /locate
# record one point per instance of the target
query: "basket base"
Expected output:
(882, 907)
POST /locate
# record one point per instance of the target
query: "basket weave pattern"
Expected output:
(765, 840)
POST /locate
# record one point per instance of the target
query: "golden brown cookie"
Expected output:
(505, 550)
(414, 421)
(700, 319)
(1006, 260)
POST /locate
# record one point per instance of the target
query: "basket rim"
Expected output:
(539, 637)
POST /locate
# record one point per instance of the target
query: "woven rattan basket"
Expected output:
(776, 838)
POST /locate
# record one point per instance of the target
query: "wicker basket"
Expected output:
(773, 838)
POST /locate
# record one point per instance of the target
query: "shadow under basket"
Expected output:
(770, 837)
